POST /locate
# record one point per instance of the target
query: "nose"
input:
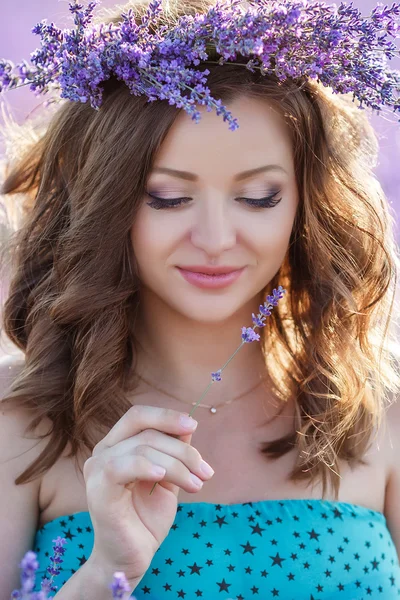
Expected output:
(214, 231)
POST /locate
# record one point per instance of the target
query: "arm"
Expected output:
(19, 504)
(392, 495)
(90, 582)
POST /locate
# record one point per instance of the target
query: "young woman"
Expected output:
(290, 486)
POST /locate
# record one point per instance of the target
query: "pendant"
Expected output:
(213, 410)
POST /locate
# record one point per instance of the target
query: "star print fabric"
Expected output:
(286, 549)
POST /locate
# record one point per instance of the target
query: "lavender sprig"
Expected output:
(29, 565)
(290, 38)
(248, 335)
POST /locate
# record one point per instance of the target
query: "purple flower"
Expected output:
(249, 335)
(119, 586)
(334, 45)
(264, 309)
(216, 376)
(257, 320)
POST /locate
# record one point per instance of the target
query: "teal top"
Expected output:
(287, 549)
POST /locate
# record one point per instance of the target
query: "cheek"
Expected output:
(152, 239)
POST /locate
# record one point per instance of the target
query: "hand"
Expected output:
(130, 524)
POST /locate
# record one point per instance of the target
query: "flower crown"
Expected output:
(290, 38)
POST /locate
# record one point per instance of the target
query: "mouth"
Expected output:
(209, 279)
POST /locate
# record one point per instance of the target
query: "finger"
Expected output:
(176, 472)
(173, 446)
(141, 417)
(108, 479)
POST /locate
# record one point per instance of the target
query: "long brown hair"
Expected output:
(73, 294)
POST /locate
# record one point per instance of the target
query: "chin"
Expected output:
(210, 311)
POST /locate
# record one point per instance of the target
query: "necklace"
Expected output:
(212, 409)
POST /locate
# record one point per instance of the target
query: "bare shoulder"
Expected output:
(19, 503)
(391, 447)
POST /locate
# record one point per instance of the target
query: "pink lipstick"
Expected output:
(211, 277)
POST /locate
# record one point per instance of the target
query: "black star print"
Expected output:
(277, 560)
(195, 569)
(223, 586)
(68, 535)
(313, 535)
(257, 529)
(213, 563)
(146, 590)
(337, 514)
(221, 521)
(248, 548)
(374, 564)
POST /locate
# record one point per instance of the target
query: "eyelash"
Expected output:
(164, 203)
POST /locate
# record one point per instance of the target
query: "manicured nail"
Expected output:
(188, 422)
(206, 469)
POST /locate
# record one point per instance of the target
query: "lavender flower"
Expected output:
(295, 38)
(216, 376)
(29, 565)
(248, 336)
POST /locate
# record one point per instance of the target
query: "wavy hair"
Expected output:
(73, 295)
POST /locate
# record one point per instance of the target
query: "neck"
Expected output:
(179, 354)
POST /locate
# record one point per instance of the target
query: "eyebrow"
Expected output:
(239, 177)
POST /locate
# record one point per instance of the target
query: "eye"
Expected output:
(159, 203)
(265, 202)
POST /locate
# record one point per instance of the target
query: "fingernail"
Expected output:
(188, 422)
(206, 469)
(196, 480)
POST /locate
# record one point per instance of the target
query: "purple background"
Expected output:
(17, 42)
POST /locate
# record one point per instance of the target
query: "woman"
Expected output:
(120, 331)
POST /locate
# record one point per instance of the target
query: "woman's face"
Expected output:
(220, 219)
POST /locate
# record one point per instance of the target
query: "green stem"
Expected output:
(206, 391)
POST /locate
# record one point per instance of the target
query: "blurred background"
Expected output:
(17, 42)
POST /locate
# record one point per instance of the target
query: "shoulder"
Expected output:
(390, 440)
(19, 502)
(14, 420)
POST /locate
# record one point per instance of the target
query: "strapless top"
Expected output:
(291, 549)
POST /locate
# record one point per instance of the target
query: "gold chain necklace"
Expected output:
(212, 409)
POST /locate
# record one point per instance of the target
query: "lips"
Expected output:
(212, 279)
(210, 270)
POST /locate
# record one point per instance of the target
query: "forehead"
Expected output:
(210, 147)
